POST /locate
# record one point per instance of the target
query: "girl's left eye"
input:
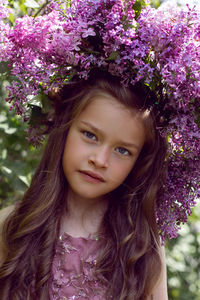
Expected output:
(123, 151)
(90, 135)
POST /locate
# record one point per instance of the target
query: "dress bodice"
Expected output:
(72, 274)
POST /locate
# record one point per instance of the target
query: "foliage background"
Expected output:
(18, 160)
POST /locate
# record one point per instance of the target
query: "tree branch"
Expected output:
(41, 8)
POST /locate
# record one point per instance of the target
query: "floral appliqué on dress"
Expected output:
(72, 274)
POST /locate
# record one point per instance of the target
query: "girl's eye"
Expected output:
(123, 151)
(89, 135)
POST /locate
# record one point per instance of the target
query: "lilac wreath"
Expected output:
(159, 48)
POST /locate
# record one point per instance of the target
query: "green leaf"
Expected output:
(113, 56)
(3, 118)
(4, 67)
(10, 130)
(46, 105)
(22, 7)
(198, 121)
(4, 153)
(11, 18)
(6, 170)
(24, 179)
(155, 3)
(4, 126)
(37, 116)
(139, 4)
(31, 4)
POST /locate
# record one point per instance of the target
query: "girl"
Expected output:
(86, 227)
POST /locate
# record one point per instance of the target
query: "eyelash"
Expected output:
(88, 135)
(127, 152)
(91, 136)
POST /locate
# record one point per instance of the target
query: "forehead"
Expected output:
(113, 118)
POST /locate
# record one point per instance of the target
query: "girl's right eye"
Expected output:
(89, 135)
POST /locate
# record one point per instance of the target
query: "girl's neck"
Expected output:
(83, 216)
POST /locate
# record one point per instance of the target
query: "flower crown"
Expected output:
(128, 38)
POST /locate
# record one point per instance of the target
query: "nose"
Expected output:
(99, 157)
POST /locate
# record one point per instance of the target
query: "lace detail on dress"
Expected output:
(72, 276)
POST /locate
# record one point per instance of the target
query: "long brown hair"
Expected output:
(129, 259)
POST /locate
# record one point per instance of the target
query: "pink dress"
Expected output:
(72, 275)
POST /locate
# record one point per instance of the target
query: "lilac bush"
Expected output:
(159, 48)
(4, 28)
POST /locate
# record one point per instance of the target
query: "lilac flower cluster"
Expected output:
(174, 40)
(159, 48)
(4, 28)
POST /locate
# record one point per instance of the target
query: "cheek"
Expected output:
(121, 170)
(72, 145)
(68, 155)
(74, 152)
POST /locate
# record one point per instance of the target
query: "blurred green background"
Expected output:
(18, 160)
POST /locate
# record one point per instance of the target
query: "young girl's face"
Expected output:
(101, 148)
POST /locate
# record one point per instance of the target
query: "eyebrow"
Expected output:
(126, 144)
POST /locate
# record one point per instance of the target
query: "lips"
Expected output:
(93, 175)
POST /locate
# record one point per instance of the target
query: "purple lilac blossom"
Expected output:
(161, 47)
(4, 28)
